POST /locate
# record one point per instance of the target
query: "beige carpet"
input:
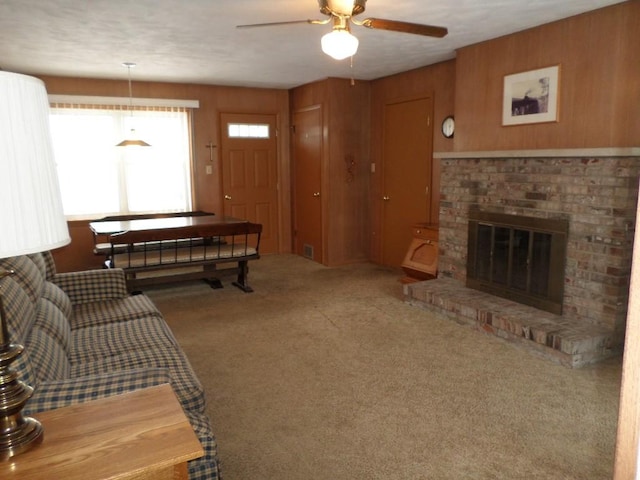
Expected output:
(326, 373)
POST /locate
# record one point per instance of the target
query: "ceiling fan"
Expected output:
(340, 43)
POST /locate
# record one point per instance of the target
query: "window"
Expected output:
(97, 178)
(248, 130)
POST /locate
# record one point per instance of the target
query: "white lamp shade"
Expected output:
(339, 44)
(31, 215)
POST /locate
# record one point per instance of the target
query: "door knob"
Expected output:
(227, 197)
(317, 194)
(386, 198)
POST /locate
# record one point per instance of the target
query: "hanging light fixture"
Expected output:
(340, 43)
(133, 140)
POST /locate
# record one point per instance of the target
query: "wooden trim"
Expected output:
(626, 459)
(545, 153)
(137, 102)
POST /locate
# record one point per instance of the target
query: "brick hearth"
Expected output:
(596, 191)
(561, 339)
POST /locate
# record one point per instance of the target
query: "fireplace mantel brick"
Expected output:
(598, 196)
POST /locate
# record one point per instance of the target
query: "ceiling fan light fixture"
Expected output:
(339, 44)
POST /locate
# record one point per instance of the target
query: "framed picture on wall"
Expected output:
(531, 97)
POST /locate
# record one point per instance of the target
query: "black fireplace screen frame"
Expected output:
(526, 258)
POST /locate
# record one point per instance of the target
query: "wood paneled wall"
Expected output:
(348, 184)
(206, 128)
(599, 88)
(346, 138)
(435, 81)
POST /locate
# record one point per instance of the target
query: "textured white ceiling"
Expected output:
(195, 41)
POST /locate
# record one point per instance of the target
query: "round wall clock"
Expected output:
(448, 126)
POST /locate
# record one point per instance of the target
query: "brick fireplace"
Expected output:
(596, 191)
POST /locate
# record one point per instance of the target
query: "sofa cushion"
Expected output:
(19, 309)
(56, 295)
(183, 380)
(26, 273)
(101, 341)
(48, 357)
(51, 320)
(38, 261)
(112, 311)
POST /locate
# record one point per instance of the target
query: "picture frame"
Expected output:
(531, 97)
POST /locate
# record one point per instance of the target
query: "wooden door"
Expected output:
(307, 162)
(407, 157)
(250, 174)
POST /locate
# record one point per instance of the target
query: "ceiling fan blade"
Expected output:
(292, 22)
(404, 27)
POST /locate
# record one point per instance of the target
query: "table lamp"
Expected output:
(31, 220)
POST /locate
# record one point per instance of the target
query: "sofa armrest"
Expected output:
(92, 285)
(61, 393)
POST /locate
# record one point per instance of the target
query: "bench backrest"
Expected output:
(152, 249)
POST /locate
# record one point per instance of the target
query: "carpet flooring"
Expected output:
(326, 373)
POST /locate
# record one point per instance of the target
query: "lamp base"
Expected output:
(17, 432)
(27, 433)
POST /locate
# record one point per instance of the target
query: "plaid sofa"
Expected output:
(86, 338)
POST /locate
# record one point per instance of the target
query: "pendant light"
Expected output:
(133, 140)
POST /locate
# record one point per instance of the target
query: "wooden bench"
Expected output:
(158, 252)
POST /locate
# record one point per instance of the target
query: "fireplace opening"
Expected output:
(518, 257)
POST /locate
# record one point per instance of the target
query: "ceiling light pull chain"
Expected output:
(353, 81)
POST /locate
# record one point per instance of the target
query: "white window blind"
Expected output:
(97, 178)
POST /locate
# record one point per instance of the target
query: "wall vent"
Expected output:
(308, 251)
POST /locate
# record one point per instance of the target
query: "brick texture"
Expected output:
(597, 195)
